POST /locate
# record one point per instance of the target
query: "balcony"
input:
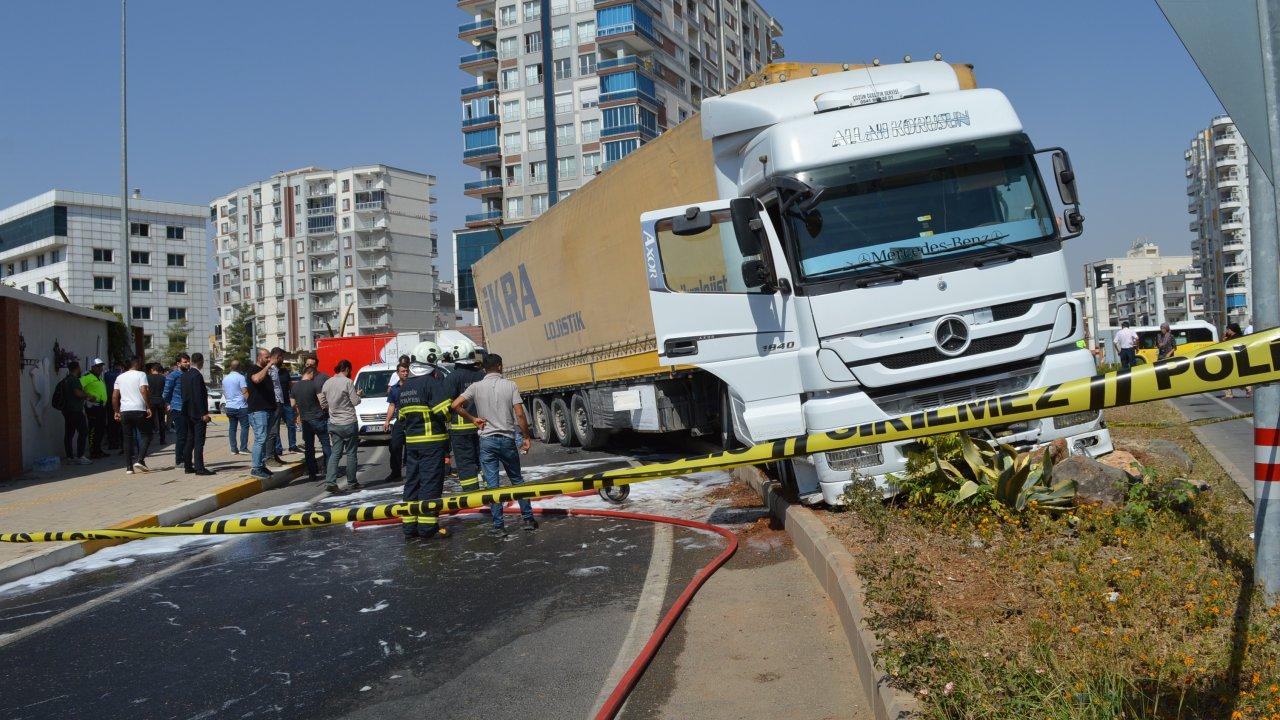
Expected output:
(1230, 181)
(319, 210)
(1225, 139)
(636, 34)
(1231, 244)
(626, 62)
(481, 219)
(365, 226)
(321, 228)
(477, 29)
(324, 288)
(324, 305)
(373, 278)
(1230, 202)
(324, 248)
(631, 129)
(478, 90)
(481, 155)
(477, 60)
(629, 94)
(1227, 160)
(1194, 226)
(375, 300)
(1238, 265)
(1232, 224)
(374, 245)
(326, 267)
(479, 188)
(370, 206)
(479, 121)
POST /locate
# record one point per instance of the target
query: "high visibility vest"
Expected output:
(423, 424)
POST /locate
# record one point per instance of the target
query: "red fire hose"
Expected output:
(613, 704)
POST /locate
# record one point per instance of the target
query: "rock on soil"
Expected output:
(1095, 482)
(1161, 451)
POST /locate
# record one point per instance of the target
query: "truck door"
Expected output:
(721, 300)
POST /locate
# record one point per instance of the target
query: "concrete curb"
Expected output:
(834, 567)
(221, 497)
(1228, 464)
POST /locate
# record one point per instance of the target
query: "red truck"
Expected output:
(364, 350)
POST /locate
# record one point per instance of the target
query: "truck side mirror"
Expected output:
(1066, 178)
(746, 225)
(1072, 222)
(694, 222)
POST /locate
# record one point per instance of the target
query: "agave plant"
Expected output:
(972, 471)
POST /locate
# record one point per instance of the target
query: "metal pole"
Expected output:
(1263, 230)
(549, 109)
(124, 170)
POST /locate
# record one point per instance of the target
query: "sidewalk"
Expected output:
(102, 495)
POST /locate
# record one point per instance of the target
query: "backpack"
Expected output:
(59, 400)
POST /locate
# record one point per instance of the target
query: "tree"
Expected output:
(119, 338)
(176, 334)
(242, 336)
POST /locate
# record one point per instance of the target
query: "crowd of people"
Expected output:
(441, 404)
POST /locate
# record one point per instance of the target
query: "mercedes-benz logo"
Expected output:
(951, 335)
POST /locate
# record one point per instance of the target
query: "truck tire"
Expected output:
(591, 437)
(787, 480)
(562, 422)
(541, 421)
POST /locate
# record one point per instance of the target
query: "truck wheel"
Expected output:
(562, 421)
(542, 421)
(591, 437)
(787, 479)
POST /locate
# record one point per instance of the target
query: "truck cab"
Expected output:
(883, 244)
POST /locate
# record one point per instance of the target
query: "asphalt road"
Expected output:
(1230, 441)
(342, 623)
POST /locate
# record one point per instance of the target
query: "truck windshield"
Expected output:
(918, 208)
(373, 384)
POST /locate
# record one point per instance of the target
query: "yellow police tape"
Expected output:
(1249, 360)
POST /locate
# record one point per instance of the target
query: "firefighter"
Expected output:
(464, 437)
(423, 411)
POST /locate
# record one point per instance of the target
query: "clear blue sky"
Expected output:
(224, 93)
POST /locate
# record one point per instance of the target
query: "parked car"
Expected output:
(215, 400)
(372, 382)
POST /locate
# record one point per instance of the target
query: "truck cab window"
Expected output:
(708, 262)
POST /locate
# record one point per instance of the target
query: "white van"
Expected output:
(372, 381)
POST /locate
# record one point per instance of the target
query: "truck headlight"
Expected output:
(1081, 418)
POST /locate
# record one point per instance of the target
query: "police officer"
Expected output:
(423, 411)
(464, 437)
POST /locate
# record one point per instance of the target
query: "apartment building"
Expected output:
(1142, 263)
(69, 243)
(563, 88)
(1218, 201)
(317, 253)
(1152, 300)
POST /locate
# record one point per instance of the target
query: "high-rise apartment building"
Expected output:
(1218, 200)
(564, 88)
(1141, 263)
(65, 242)
(316, 253)
(1152, 300)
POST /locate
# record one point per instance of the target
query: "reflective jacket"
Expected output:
(423, 410)
(457, 382)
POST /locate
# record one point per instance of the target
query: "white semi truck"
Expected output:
(872, 242)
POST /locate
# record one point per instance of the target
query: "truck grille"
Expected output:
(904, 403)
(916, 358)
(372, 417)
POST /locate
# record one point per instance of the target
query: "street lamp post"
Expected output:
(126, 314)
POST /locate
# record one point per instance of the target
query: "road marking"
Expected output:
(648, 610)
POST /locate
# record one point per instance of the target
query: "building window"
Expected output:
(538, 204)
(508, 47)
(141, 284)
(40, 260)
(510, 79)
(510, 110)
(40, 288)
(586, 64)
(346, 185)
(25, 264)
(177, 313)
(102, 255)
(55, 256)
(173, 260)
(178, 286)
(533, 42)
(346, 281)
(590, 163)
(346, 223)
(174, 232)
(515, 174)
(507, 16)
(538, 171)
(535, 107)
(141, 312)
(511, 143)
(515, 207)
(590, 130)
(563, 195)
(533, 74)
(563, 69)
(302, 266)
(586, 32)
(561, 37)
(532, 10)
(146, 341)
(139, 257)
(346, 242)
(346, 261)
(559, 7)
(567, 167)
(565, 135)
(564, 101)
(537, 139)
(140, 229)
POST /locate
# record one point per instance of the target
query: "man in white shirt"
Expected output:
(131, 399)
(1126, 342)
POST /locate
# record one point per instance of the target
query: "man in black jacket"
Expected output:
(195, 410)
